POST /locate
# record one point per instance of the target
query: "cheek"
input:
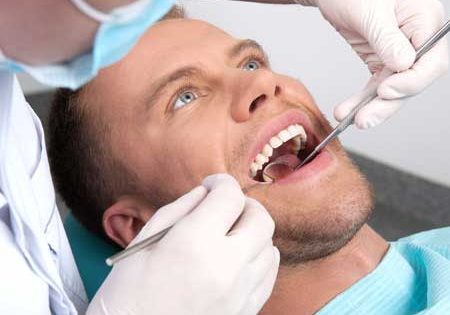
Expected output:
(189, 153)
(295, 89)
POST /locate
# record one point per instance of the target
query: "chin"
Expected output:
(316, 221)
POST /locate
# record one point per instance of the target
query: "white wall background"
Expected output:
(300, 43)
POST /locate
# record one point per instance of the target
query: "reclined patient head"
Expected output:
(189, 101)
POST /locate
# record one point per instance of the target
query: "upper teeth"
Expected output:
(295, 132)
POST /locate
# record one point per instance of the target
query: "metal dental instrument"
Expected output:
(340, 128)
(137, 247)
(349, 119)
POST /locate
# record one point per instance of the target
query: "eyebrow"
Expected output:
(188, 72)
(244, 45)
(179, 74)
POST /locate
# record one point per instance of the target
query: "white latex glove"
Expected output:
(381, 32)
(218, 259)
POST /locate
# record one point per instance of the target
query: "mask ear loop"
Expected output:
(92, 12)
(119, 15)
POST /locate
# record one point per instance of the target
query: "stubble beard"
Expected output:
(317, 233)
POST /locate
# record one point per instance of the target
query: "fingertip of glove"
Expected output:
(368, 122)
(199, 190)
(341, 111)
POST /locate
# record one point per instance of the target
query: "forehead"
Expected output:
(172, 43)
(171, 37)
(165, 47)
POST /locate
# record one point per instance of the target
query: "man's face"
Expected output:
(190, 101)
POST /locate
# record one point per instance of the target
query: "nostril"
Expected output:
(277, 91)
(257, 102)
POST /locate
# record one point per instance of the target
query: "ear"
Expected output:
(124, 219)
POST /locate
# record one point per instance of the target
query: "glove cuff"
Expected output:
(308, 3)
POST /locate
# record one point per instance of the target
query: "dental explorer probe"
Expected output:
(137, 247)
(340, 128)
(349, 119)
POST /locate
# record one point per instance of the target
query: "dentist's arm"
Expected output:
(218, 260)
(386, 33)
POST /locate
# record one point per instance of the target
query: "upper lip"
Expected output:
(274, 126)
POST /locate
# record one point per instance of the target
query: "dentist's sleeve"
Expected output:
(18, 282)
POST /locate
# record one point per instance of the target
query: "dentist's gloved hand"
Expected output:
(381, 32)
(218, 259)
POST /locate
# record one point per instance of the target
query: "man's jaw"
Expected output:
(289, 138)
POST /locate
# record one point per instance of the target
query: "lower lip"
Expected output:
(320, 163)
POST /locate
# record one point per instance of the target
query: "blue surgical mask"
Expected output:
(118, 32)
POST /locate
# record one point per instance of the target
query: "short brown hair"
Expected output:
(84, 170)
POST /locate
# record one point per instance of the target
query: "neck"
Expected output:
(306, 288)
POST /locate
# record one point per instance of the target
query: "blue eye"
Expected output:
(184, 99)
(252, 65)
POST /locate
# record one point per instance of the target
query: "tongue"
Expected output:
(282, 166)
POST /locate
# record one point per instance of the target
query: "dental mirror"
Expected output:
(276, 170)
(280, 168)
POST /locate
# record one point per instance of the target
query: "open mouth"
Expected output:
(289, 147)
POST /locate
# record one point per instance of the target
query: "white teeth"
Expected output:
(267, 150)
(284, 135)
(261, 159)
(293, 129)
(275, 142)
(302, 133)
(294, 132)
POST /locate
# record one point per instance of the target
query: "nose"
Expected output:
(253, 90)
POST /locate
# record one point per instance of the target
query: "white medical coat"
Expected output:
(38, 274)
